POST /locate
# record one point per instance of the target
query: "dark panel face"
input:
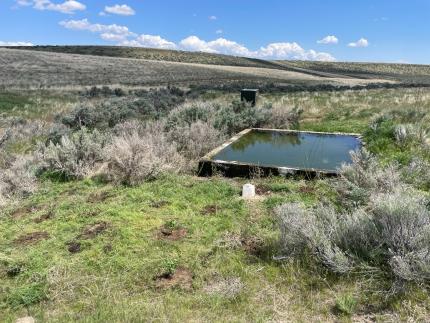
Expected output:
(249, 96)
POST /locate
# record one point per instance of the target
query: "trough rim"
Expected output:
(208, 158)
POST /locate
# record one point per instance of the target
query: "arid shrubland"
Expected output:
(407, 133)
(133, 158)
(363, 177)
(391, 233)
(17, 178)
(384, 224)
(195, 140)
(75, 155)
(234, 117)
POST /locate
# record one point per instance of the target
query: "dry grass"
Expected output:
(32, 69)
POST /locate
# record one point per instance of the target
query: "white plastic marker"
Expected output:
(248, 191)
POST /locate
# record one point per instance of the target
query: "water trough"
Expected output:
(281, 152)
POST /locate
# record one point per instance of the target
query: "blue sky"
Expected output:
(361, 30)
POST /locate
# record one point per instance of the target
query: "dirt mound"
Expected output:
(211, 209)
(172, 234)
(262, 190)
(23, 211)
(252, 245)
(74, 246)
(181, 278)
(31, 238)
(92, 231)
(99, 196)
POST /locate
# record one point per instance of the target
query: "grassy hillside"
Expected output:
(33, 69)
(153, 54)
(184, 248)
(407, 73)
(104, 219)
(402, 72)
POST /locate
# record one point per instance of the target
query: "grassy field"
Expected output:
(177, 247)
(87, 251)
(407, 73)
(41, 70)
(153, 54)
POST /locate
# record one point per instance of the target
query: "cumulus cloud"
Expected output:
(150, 41)
(271, 51)
(328, 40)
(124, 37)
(362, 42)
(68, 6)
(123, 10)
(291, 51)
(15, 43)
(219, 31)
(213, 18)
(106, 30)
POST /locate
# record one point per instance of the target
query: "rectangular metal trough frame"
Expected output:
(209, 167)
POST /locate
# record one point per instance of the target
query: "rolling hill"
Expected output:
(47, 67)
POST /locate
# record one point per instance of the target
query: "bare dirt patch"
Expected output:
(252, 245)
(306, 189)
(211, 209)
(23, 211)
(74, 246)
(92, 231)
(99, 196)
(172, 234)
(262, 190)
(181, 278)
(45, 216)
(31, 238)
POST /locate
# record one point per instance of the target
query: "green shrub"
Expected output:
(346, 305)
(138, 157)
(392, 233)
(75, 156)
(152, 104)
(363, 177)
(17, 178)
(27, 295)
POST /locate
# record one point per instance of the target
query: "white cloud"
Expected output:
(328, 40)
(113, 37)
(218, 46)
(150, 41)
(219, 31)
(15, 43)
(68, 6)
(213, 18)
(124, 37)
(194, 43)
(271, 51)
(84, 24)
(123, 10)
(291, 51)
(362, 42)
